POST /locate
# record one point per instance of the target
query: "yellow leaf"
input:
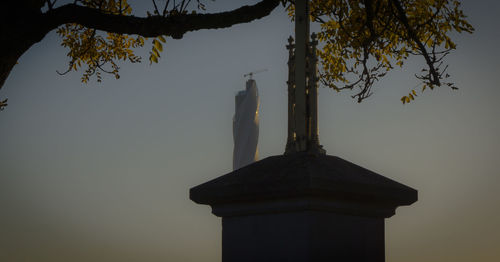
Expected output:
(154, 58)
(158, 45)
(155, 52)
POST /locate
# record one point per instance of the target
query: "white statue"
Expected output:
(246, 126)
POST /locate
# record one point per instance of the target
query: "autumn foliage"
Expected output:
(360, 40)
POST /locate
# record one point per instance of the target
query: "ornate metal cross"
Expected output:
(302, 87)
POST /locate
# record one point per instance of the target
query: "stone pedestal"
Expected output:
(303, 207)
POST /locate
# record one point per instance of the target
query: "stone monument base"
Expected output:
(302, 236)
(303, 208)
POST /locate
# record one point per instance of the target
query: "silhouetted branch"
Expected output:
(433, 76)
(175, 25)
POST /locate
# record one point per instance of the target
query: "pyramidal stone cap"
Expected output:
(303, 181)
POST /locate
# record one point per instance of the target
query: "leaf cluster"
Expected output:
(99, 52)
(3, 104)
(362, 40)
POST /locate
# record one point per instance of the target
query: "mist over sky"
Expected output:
(102, 171)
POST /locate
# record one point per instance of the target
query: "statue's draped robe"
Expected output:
(246, 126)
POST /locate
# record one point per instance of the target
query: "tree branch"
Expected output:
(433, 74)
(175, 26)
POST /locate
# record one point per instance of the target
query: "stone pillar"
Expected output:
(303, 207)
(312, 94)
(301, 41)
(290, 142)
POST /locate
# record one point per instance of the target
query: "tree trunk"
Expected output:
(22, 26)
(10, 55)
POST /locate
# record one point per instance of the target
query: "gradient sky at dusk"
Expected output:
(101, 172)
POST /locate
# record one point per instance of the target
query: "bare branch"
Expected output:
(157, 12)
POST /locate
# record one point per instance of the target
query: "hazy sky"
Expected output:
(101, 172)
